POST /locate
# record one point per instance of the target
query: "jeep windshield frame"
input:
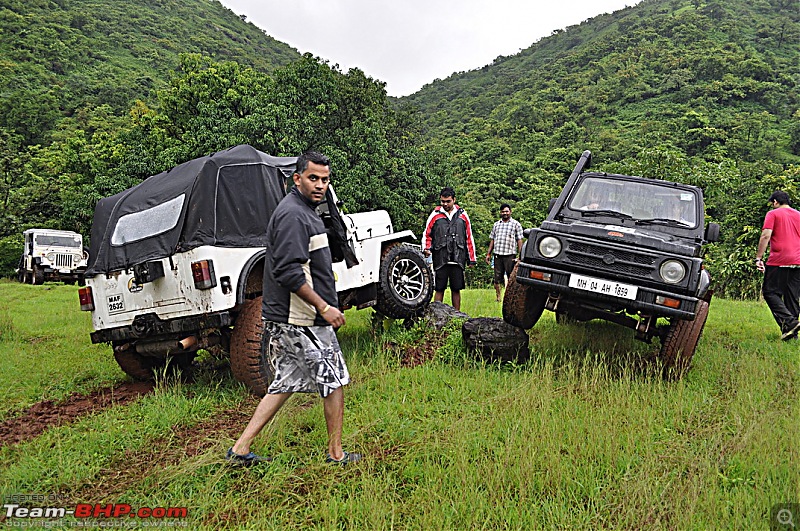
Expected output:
(54, 240)
(639, 201)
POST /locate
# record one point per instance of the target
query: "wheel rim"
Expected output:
(407, 279)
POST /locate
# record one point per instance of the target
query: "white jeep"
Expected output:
(177, 263)
(48, 254)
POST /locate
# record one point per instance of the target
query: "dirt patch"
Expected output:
(47, 413)
(417, 353)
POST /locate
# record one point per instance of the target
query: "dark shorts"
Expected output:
(449, 273)
(307, 359)
(503, 266)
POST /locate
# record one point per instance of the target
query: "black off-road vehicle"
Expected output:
(621, 248)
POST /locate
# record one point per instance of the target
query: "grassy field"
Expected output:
(582, 436)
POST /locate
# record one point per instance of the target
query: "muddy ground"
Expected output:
(47, 413)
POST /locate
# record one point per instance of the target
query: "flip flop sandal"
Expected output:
(346, 459)
(245, 460)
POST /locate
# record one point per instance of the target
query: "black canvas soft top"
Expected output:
(224, 199)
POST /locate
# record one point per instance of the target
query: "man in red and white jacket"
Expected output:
(448, 236)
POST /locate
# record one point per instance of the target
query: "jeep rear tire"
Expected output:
(146, 368)
(248, 363)
(406, 283)
(681, 341)
(522, 307)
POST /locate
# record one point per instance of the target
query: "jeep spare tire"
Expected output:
(405, 284)
(249, 363)
(522, 307)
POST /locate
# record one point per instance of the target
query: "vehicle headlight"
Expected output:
(51, 257)
(76, 258)
(549, 246)
(672, 271)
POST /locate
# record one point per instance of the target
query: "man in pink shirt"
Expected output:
(781, 288)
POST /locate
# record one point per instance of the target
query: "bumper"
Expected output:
(151, 326)
(644, 303)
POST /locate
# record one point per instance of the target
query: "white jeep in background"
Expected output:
(177, 263)
(52, 255)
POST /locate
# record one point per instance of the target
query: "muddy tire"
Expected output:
(680, 343)
(406, 283)
(248, 359)
(145, 368)
(522, 307)
(38, 275)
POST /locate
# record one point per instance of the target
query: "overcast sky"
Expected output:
(408, 43)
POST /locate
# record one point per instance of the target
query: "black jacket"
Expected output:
(297, 253)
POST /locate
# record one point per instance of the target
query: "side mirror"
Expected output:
(712, 232)
(551, 204)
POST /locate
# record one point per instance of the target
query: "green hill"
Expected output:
(97, 95)
(60, 56)
(708, 77)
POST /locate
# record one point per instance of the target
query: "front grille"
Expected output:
(624, 262)
(63, 260)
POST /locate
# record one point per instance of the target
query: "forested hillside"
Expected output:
(697, 91)
(97, 95)
(62, 57)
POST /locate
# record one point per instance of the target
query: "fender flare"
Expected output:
(245, 274)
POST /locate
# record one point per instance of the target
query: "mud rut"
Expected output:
(131, 465)
(48, 413)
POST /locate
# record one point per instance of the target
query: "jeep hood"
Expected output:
(224, 199)
(628, 235)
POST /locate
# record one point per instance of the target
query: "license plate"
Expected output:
(606, 287)
(116, 303)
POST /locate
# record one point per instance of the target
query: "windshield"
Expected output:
(644, 202)
(51, 240)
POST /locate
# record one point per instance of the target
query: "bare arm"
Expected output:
(489, 254)
(763, 243)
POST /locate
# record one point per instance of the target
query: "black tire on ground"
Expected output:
(522, 307)
(38, 275)
(249, 363)
(21, 270)
(146, 368)
(681, 341)
(406, 283)
(70, 281)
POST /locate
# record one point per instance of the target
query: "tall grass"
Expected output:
(583, 435)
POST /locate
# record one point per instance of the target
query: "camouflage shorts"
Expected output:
(308, 359)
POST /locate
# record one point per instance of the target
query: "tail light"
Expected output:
(87, 301)
(203, 274)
